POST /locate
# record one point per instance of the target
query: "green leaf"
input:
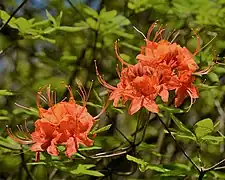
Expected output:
(41, 23)
(94, 105)
(89, 148)
(3, 118)
(5, 16)
(58, 19)
(203, 127)
(49, 30)
(124, 34)
(51, 18)
(145, 166)
(68, 58)
(80, 155)
(213, 139)
(102, 129)
(4, 92)
(92, 23)
(36, 163)
(181, 126)
(23, 24)
(107, 15)
(53, 41)
(130, 46)
(31, 111)
(170, 109)
(84, 169)
(213, 77)
(91, 12)
(71, 29)
(184, 136)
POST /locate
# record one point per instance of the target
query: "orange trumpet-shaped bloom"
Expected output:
(63, 123)
(137, 83)
(162, 66)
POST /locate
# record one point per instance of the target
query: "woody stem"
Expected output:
(29, 175)
(145, 127)
(137, 127)
(179, 146)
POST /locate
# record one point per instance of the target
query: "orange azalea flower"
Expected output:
(63, 123)
(170, 57)
(138, 83)
(162, 66)
(185, 88)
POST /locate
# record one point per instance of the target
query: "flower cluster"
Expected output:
(162, 66)
(63, 123)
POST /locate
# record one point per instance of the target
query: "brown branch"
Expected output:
(179, 146)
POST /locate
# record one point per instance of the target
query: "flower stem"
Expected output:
(179, 146)
(29, 175)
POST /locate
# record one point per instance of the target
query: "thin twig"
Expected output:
(137, 127)
(185, 154)
(145, 128)
(214, 166)
(17, 9)
(76, 9)
(29, 175)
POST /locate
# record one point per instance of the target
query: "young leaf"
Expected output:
(84, 169)
(181, 126)
(170, 109)
(105, 128)
(58, 19)
(213, 139)
(107, 15)
(145, 166)
(3, 118)
(91, 12)
(5, 16)
(89, 148)
(4, 92)
(51, 18)
(71, 29)
(203, 127)
(23, 24)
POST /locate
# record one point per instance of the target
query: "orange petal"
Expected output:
(164, 94)
(71, 147)
(151, 105)
(136, 104)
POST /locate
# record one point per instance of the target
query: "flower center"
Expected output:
(145, 85)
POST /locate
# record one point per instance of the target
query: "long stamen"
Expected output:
(55, 97)
(170, 34)
(89, 91)
(150, 29)
(192, 102)
(43, 98)
(24, 107)
(118, 55)
(16, 138)
(177, 34)
(158, 33)
(204, 71)
(140, 32)
(101, 80)
(117, 70)
(50, 103)
(20, 127)
(198, 45)
(103, 110)
(71, 93)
